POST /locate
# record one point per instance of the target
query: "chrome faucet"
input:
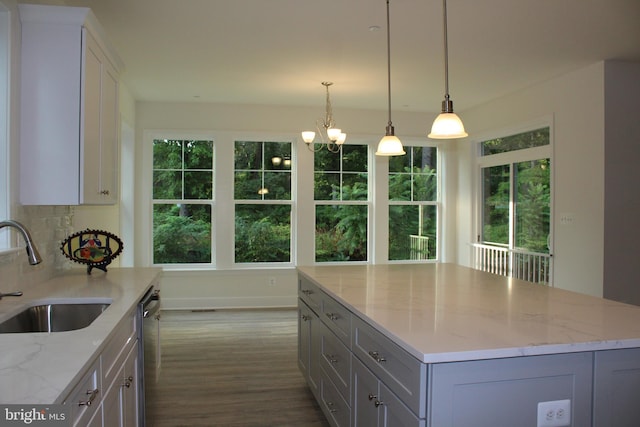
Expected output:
(32, 251)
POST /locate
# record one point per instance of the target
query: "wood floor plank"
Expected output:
(231, 368)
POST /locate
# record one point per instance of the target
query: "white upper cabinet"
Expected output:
(69, 109)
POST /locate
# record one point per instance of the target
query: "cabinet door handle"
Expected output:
(372, 396)
(128, 381)
(92, 396)
(307, 292)
(332, 316)
(105, 192)
(305, 317)
(378, 403)
(376, 356)
(331, 408)
(331, 358)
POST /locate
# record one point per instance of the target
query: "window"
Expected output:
(263, 208)
(342, 204)
(182, 201)
(515, 212)
(516, 196)
(413, 195)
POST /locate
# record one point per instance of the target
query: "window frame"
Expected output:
(437, 203)
(266, 201)
(303, 203)
(510, 159)
(368, 202)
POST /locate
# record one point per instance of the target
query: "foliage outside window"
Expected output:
(262, 192)
(341, 193)
(182, 201)
(516, 195)
(520, 141)
(413, 192)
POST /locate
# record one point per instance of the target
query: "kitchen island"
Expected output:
(43, 368)
(447, 345)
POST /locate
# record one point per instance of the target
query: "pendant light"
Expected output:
(390, 144)
(447, 125)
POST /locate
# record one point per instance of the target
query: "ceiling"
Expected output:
(278, 51)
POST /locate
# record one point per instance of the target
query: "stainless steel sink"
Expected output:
(54, 317)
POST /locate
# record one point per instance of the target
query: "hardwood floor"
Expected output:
(232, 368)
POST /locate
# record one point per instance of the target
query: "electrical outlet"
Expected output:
(567, 218)
(556, 413)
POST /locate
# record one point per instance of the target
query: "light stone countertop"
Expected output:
(41, 368)
(446, 312)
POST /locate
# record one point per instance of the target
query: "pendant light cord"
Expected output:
(389, 63)
(446, 51)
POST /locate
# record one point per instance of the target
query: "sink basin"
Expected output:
(56, 317)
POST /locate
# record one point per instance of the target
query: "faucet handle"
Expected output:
(11, 294)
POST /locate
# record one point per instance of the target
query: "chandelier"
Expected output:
(330, 136)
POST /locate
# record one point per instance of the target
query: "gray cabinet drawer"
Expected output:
(337, 317)
(84, 401)
(335, 360)
(335, 408)
(405, 375)
(310, 294)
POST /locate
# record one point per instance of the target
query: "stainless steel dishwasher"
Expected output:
(149, 356)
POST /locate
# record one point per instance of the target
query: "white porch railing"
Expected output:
(420, 247)
(530, 266)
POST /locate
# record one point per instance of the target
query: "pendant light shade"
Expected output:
(390, 144)
(447, 125)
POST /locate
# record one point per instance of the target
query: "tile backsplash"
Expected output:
(49, 226)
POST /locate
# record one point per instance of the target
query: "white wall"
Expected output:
(576, 103)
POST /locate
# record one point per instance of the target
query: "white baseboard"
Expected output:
(208, 303)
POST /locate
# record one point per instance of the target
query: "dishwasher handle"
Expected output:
(151, 303)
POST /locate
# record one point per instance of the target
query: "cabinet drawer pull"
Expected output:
(92, 396)
(105, 192)
(376, 356)
(332, 316)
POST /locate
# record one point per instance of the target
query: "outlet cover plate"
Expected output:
(555, 413)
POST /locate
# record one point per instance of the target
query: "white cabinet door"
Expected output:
(99, 147)
(120, 403)
(69, 109)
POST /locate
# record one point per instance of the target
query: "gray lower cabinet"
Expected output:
(362, 378)
(616, 388)
(374, 405)
(308, 343)
(506, 392)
